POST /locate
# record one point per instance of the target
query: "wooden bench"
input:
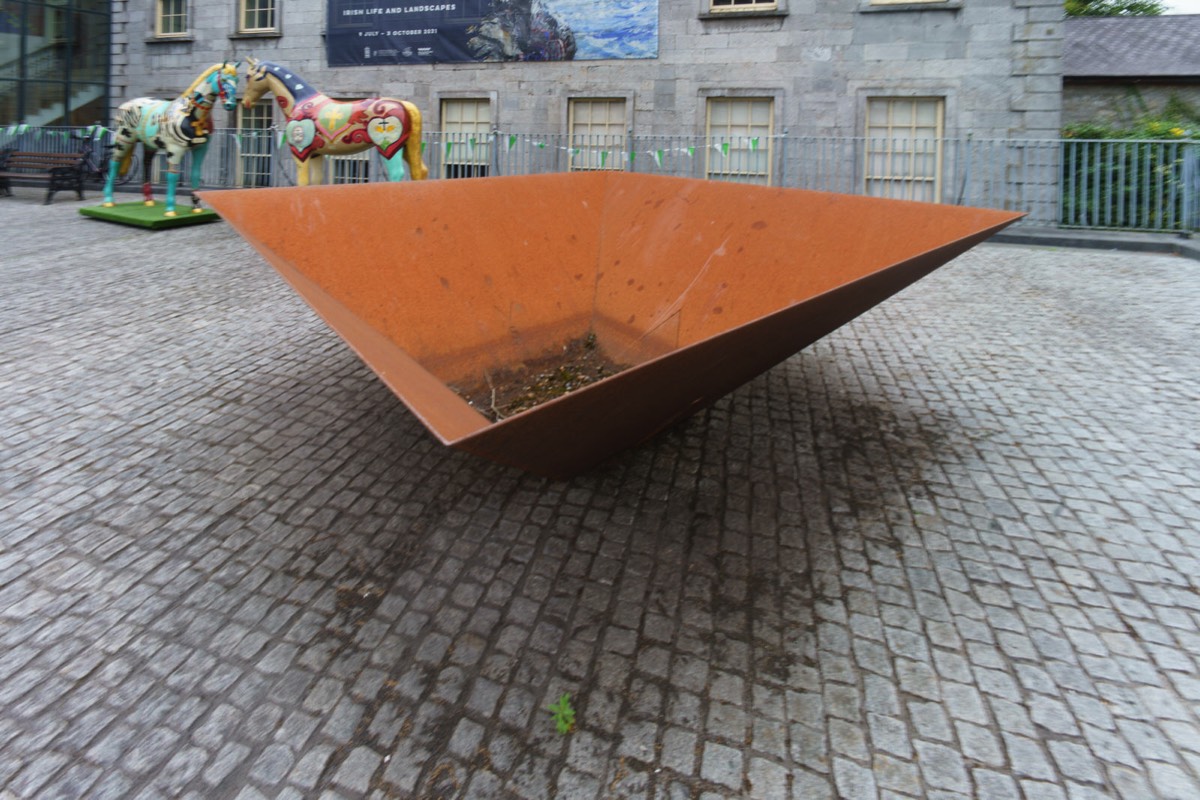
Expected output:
(62, 170)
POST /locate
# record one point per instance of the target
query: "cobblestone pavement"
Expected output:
(952, 550)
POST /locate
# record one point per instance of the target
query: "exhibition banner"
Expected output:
(376, 32)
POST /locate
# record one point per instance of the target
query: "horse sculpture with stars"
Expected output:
(177, 126)
(318, 126)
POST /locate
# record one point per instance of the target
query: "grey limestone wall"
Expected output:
(1123, 104)
(997, 63)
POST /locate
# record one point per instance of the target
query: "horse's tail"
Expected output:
(126, 160)
(417, 171)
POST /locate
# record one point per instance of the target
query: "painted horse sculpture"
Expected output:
(177, 126)
(318, 125)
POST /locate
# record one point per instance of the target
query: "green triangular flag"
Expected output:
(512, 140)
(603, 158)
(449, 147)
(725, 148)
(754, 143)
(658, 156)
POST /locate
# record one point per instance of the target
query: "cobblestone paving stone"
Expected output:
(952, 550)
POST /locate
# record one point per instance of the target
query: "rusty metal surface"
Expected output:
(700, 285)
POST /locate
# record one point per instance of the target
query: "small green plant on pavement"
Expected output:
(564, 714)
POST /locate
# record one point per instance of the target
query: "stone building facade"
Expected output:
(990, 68)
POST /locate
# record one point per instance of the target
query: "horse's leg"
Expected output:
(395, 167)
(174, 165)
(198, 154)
(121, 148)
(309, 171)
(412, 145)
(148, 154)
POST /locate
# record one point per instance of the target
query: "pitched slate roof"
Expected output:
(1142, 47)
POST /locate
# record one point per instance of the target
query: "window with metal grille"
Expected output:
(466, 137)
(256, 16)
(904, 147)
(739, 137)
(597, 133)
(171, 18)
(256, 144)
(355, 168)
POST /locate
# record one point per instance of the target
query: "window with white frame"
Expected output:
(170, 18)
(739, 139)
(717, 6)
(596, 129)
(904, 147)
(256, 144)
(257, 16)
(466, 137)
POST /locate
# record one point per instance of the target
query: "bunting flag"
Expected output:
(512, 140)
(603, 158)
(657, 155)
(754, 144)
(449, 147)
(471, 143)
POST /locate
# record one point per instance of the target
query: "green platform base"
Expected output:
(144, 216)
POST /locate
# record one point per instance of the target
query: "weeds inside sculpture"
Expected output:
(318, 126)
(177, 126)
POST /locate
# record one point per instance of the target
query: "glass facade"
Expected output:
(54, 61)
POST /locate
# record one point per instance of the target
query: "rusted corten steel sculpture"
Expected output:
(699, 285)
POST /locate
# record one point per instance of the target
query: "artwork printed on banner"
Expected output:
(369, 32)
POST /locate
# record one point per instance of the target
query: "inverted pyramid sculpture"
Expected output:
(698, 285)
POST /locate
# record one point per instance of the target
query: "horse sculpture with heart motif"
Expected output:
(318, 125)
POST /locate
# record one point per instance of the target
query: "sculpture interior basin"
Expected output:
(685, 289)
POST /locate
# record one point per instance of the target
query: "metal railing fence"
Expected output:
(1097, 184)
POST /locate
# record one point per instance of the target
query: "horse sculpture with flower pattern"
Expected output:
(318, 125)
(178, 126)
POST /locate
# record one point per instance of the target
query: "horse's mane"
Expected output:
(203, 76)
(293, 80)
